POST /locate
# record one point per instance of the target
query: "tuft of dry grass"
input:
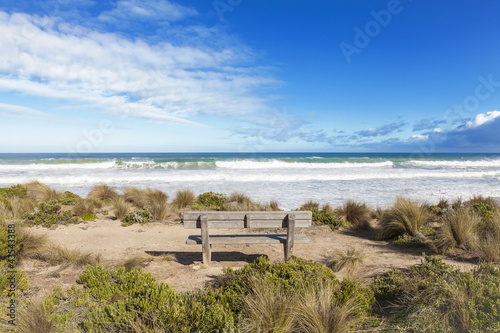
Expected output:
(479, 199)
(136, 262)
(156, 203)
(153, 200)
(378, 213)
(121, 206)
(136, 196)
(443, 203)
(240, 198)
(183, 199)
(41, 192)
(348, 260)
(32, 317)
(316, 311)
(267, 307)
(57, 255)
(310, 205)
(168, 257)
(102, 192)
(273, 205)
(358, 214)
(405, 216)
(84, 207)
(458, 228)
(21, 206)
(239, 201)
(27, 242)
(4, 211)
(488, 243)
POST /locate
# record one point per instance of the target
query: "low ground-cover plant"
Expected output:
(117, 300)
(290, 277)
(324, 216)
(436, 297)
(137, 216)
(47, 215)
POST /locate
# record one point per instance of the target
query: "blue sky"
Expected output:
(249, 76)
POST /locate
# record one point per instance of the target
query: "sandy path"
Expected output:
(116, 243)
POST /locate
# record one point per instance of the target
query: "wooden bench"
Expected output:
(210, 220)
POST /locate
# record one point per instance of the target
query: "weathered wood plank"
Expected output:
(207, 255)
(240, 215)
(241, 224)
(247, 239)
(290, 237)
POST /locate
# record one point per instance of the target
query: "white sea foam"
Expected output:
(276, 164)
(57, 166)
(124, 177)
(455, 164)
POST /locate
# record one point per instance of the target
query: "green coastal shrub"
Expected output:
(436, 297)
(117, 300)
(211, 199)
(13, 191)
(137, 216)
(7, 275)
(69, 199)
(47, 215)
(290, 277)
(486, 211)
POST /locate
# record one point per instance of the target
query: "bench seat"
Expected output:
(248, 239)
(208, 221)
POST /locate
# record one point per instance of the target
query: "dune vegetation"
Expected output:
(295, 296)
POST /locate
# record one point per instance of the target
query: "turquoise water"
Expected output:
(289, 178)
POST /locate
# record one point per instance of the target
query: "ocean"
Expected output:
(289, 178)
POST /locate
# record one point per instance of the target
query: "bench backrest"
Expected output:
(251, 219)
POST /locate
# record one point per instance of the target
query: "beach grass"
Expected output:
(41, 192)
(183, 198)
(121, 207)
(156, 203)
(356, 213)
(102, 192)
(458, 228)
(405, 216)
(347, 260)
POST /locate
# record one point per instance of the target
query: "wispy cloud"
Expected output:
(17, 111)
(162, 81)
(380, 131)
(143, 10)
(481, 134)
(427, 124)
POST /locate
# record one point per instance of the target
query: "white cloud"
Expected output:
(17, 111)
(147, 10)
(49, 58)
(482, 119)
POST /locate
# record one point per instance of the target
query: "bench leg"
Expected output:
(205, 241)
(290, 237)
